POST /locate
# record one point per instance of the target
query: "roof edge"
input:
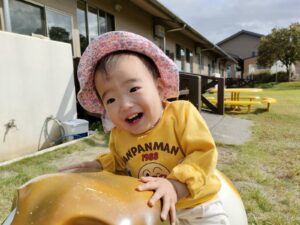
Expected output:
(178, 19)
(240, 33)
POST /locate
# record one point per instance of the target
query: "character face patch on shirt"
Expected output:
(153, 170)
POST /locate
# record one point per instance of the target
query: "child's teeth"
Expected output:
(133, 116)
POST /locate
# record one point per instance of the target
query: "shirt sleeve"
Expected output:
(111, 161)
(197, 168)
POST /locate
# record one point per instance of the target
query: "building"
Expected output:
(78, 22)
(243, 46)
(39, 40)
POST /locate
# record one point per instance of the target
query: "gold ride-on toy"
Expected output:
(99, 198)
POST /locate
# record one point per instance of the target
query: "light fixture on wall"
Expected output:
(118, 7)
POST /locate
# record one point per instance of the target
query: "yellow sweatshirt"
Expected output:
(179, 147)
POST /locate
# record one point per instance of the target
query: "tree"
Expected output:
(282, 44)
(59, 34)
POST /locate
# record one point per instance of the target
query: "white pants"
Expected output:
(208, 213)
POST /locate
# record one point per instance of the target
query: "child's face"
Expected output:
(130, 95)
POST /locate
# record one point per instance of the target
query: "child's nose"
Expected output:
(126, 103)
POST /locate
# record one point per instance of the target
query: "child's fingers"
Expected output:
(149, 186)
(173, 214)
(155, 197)
(147, 179)
(165, 209)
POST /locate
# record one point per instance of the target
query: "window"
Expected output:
(160, 42)
(188, 56)
(92, 22)
(27, 18)
(82, 25)
(59, 26)
(102, 22)
(110, 20)
(189, 61)
(201, 62)
(209, 69)
(180, 57)
(179, 52)
(228, 71)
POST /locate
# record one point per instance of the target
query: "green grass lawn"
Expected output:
(14, 175)
(266, 170)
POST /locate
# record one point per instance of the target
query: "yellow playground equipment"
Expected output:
(99, 198)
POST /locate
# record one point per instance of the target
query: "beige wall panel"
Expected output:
(67, 6)
(105, 5)
(176, 37)
(129, 18)
(134, 19)
(36, 81)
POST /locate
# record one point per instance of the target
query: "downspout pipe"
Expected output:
(7, 20)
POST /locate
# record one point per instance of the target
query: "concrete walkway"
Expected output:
(228, 130)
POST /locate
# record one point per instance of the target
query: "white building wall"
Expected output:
(36, 81)
(279, 67)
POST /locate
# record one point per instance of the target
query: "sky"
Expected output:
(219, 19)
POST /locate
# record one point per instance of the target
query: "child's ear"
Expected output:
(159, 85)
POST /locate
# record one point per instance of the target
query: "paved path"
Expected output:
(228, 130)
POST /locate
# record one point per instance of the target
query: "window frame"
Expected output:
(45, 22)
(189, 59)
(87, 8)
(182, 56)
(1, 19)
(72, 25)
(59, 12)
(107, 14)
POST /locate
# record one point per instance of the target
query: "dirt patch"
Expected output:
(248, 184)
(8, 174)
(88, 154)
(226, 155)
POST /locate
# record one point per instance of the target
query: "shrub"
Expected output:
(96, 126)
(282, 76)
(267, 77)
(263, 77)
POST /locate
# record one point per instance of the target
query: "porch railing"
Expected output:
(197, 85)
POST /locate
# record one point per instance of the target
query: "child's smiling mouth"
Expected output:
(134, 118)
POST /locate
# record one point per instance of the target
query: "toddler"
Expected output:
(167, 145)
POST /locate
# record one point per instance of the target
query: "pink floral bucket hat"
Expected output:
(117, 41)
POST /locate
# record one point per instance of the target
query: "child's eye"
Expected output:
(109, 101)
(134, 89)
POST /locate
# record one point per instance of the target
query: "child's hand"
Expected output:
(88, 165)
(164, 190)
